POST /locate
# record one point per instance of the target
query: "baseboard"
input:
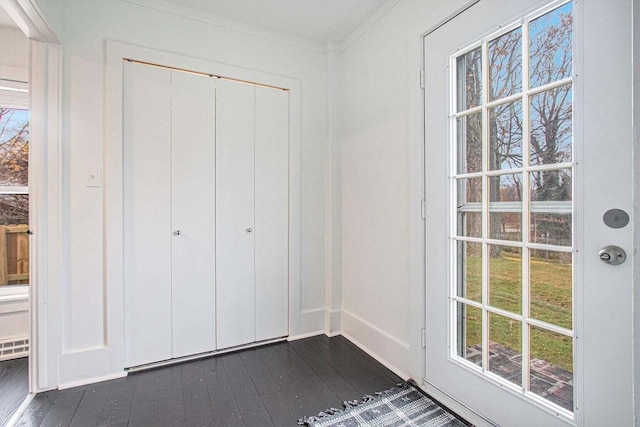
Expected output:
(456, 406)
(13, 421)
(386, 349)
(303, 336)
(92, 380)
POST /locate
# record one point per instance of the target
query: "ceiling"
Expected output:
(320, 21)
(5, 19)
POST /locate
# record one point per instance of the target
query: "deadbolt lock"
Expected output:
(613, 255)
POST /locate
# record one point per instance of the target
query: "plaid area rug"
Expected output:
(401, 405)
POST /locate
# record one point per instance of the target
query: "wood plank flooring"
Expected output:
(273, 385)
(14, 386)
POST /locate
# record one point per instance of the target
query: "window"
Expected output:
(14, 189)
(511, 186)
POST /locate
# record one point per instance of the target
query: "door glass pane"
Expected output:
(505, 64)
(505, 348)
(550, 46)
(505, 136)
(551, 284)
(505, 208)
(551, 366)
(505, 277)
(469, 207)
(551, 229)
(14, 147)
(551, 115)
(469, 333)
(470, 271)
(469, 131)
(469, 79)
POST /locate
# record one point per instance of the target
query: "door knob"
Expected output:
(177, 232)
(613, 255)
(249, 230)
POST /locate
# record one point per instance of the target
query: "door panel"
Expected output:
(235, 214)
(502, 217)
(193, 213)
(272, 213)
(147, 213)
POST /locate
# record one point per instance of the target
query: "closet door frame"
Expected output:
(116, 54)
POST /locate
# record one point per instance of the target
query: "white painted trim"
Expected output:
(368, 23)
(465, 412)
(45, 183)
(13, 421)
(392, 367)
(113, 181)
(397, 352)
(230, 24)
(303, 336)
(28, 17)
(94, 380)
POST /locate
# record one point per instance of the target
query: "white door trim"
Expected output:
(113, 180)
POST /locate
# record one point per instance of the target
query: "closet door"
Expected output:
(271, 213)
(193, 202)
(147, 213)
(235, 214)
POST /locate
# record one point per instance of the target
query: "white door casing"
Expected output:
(602, 135)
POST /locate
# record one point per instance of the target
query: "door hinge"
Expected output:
(423, 338)
(422, 78)
(423, 209)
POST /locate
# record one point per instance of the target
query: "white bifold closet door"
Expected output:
(252, 221)
(169, 213)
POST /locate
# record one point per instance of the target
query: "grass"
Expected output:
(550, 301)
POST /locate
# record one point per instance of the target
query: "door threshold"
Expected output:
(206, 354)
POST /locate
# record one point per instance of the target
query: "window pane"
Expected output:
(550, 46)
(469, 205)
(505, 217)
(551, 366)
(469, 79)
(505, 138)
(14, 209)
(551, 280)
(469, 335)
(14, 147)
(505, 64)
(551, 229)
(551, 114)
(505, 278)
(470, 271)
(469, 130)
(505, 348)
(551, 186)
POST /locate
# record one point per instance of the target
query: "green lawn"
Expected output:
(550, 301)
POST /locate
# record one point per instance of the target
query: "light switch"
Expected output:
(93, 177)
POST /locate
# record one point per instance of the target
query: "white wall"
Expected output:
(86, 25)
(382, 183)
(14, 54)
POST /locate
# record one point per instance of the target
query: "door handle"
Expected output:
(177, 232)
(249, 230)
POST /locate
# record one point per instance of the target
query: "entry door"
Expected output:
(169, 213)
(528, 136)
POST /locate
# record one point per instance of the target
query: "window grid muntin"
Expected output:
(527, 208)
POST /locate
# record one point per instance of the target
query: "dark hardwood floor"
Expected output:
(14, 386)
(274, 385)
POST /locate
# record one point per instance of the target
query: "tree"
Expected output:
(14, 164)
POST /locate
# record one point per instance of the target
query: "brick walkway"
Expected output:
(551, 382)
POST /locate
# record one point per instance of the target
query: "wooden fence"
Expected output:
(14, 254)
